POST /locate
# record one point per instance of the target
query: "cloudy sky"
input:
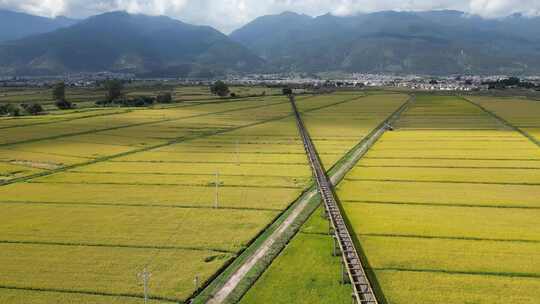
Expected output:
(227, 15)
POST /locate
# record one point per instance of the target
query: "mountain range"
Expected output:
(431, 42)
(121, 42)
(15, 25)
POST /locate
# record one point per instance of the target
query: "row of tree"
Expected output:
(115, 96)
(20, 110)
(512, 82)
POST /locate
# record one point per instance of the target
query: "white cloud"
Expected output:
(229, 14)
(497, 8)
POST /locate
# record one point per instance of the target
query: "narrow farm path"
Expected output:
(336, 174)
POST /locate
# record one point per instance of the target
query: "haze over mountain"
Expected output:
(14, 25)
(433, 42)
(121, 42)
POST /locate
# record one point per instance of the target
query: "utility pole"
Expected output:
(145, 277)
(237, 154)
(196, 282)
(216, 202)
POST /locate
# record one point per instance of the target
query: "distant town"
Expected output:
(355, 80)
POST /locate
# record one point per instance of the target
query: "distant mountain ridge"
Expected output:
(432, 42)
(121, 42)
(14, 25)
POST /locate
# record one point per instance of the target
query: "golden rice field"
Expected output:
(89, 201)
(337, 131)
(85, 98)
(445, 208)
(521, 113)
(306, 271)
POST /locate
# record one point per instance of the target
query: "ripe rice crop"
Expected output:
(132, 225)
(305, 271)
(426, 287)
(168, 195)
(111, 270)
(445, 208)
(441, 193)
(447, 175)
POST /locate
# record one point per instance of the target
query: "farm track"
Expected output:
(503, 121)
(223, 290)
(171, 142)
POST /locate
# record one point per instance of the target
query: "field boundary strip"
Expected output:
(167, 184)
(439, 181)
(139, 205)
(66, 119)
(459, 238)
(503, 121)
(171, 142)
(80, 244)
(453, 272)
(310, 202)
(189, 174)
(93, 293)
(438, 205)
(445, 167)
(458, 158)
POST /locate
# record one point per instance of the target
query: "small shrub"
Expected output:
(63, 104)
(220, 88)
(9, 110)
(141, 101)
(33, 108)
(164, 98)
(287, 91)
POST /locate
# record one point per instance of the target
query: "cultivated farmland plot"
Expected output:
(445, 208)
(306, 271)
(91, 201)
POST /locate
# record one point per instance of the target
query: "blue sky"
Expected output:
(227, 15)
